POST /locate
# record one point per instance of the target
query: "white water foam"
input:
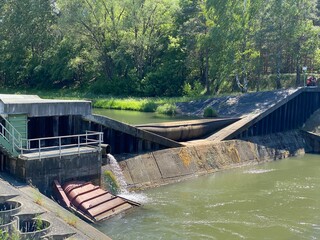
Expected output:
(258, 171)
(123, 187)
(115, 168)
(136, 197)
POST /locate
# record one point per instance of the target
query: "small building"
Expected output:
(43, 139)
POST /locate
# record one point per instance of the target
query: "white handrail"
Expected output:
(79, 141)
(13, 138)
(7, 136)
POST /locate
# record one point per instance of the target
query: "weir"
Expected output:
(42, 140)
(45, 141)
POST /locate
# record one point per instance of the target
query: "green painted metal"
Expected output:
(20, 123)
(13, 131)
(8, 146)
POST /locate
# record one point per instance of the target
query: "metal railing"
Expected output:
(9, 137)
(12, 141)
(63, 145)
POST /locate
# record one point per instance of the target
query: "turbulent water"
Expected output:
(278, 200)
(115, 168)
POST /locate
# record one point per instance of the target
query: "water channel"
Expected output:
(276, 200)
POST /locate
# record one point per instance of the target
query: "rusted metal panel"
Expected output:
(94, 203)
(113, 212)
(61, 194)
(106, 206)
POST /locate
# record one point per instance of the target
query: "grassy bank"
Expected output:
(163, 105)
(160, 105)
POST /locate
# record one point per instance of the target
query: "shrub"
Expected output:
(209, 112)
(187, 89)
(192, 91)
(168, 109)
(149, 107)
(4, 235)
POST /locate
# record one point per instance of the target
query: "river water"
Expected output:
(135, 117)
(277, 200)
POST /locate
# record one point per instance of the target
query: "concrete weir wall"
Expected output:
(42, 172)
(170, 165)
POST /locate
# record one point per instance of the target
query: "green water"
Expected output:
(135, 117)
(278, 200)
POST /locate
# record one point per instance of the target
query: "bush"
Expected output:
(187, 89)
(194, 91)
(210, 112)
(149, 107)
(168, 109)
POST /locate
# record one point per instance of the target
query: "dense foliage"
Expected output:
(157, 47)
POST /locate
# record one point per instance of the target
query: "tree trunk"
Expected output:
(206, 73)
(278, 79)
(298, 75)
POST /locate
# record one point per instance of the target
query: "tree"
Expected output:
(128, 36)
(26, 34)
(195, 24)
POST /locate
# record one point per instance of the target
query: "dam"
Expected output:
(43, 140)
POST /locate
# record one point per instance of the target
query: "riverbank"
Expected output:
(232, 105)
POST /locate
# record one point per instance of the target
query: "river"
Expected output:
(276, 200)
(135, 117)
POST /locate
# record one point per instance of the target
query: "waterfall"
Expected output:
(123, 190)
(115, 168)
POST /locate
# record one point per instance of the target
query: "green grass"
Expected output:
(160, 105)
(143, 105)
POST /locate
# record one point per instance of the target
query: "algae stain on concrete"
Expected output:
(185, 157)
(233, 153)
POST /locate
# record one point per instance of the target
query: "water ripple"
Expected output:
(259, 171)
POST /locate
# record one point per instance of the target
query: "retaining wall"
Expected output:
(41, 173)
(171, 165)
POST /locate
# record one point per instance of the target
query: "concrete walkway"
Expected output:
(64, 224)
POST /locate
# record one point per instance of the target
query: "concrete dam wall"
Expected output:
(171, 165)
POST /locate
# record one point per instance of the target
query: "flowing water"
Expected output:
(277, 200)
(115, 168)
